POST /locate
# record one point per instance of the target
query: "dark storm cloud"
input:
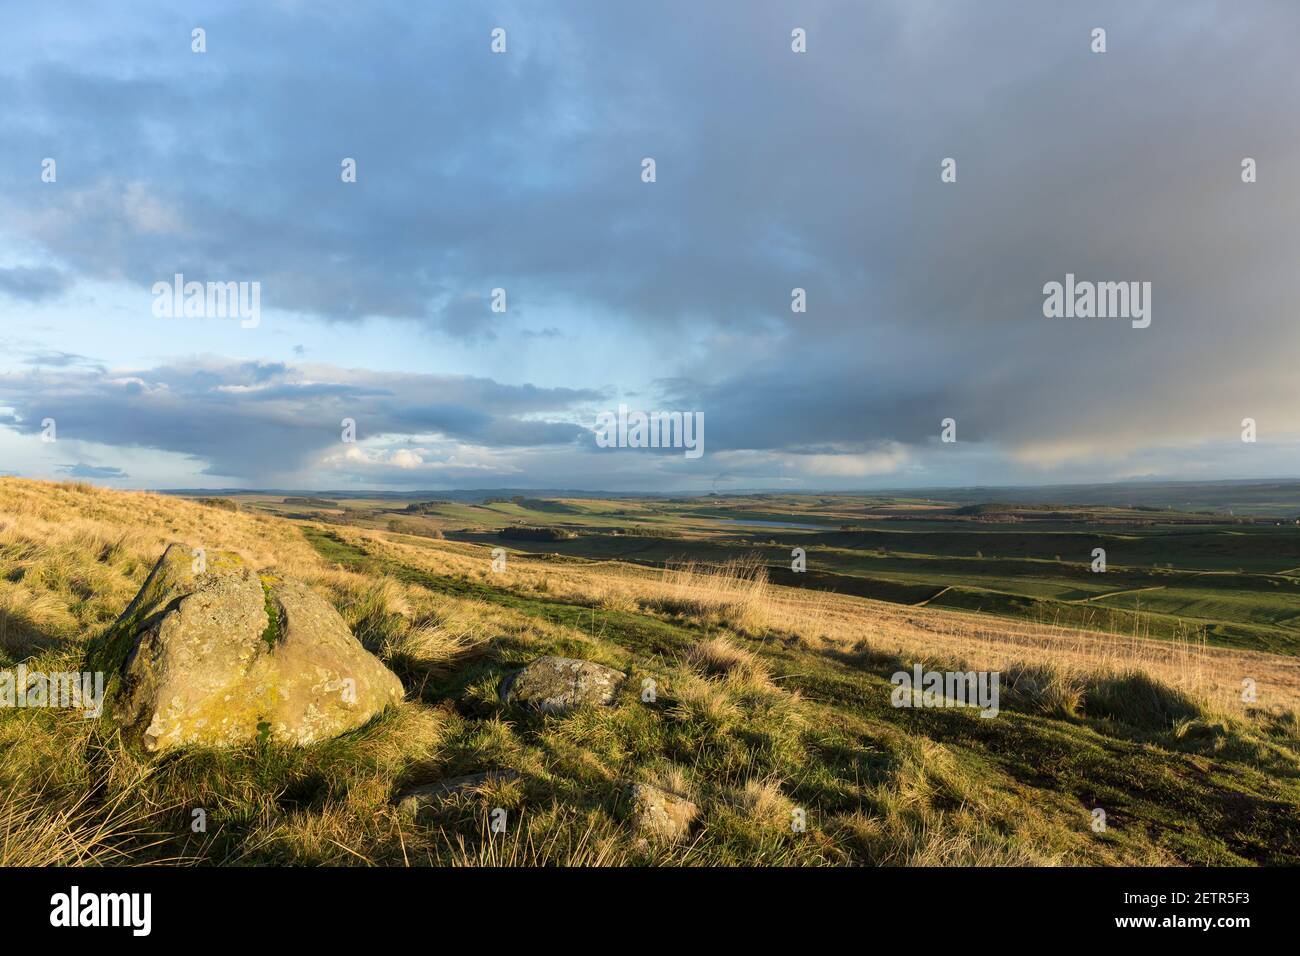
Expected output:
(474, 171)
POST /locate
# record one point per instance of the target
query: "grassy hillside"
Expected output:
(767, 699)
(1233, 582)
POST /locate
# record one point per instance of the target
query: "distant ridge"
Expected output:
(1245, 495)
(470, 495)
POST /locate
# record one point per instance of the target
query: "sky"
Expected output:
(523, 171)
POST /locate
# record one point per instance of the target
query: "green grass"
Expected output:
(1227, 581)
(797, 729)
(825, 729)
(271, 634)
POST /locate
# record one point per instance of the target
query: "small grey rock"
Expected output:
(554, 685)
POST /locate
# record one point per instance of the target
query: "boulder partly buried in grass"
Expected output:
(659, 814)
(417, 799)
(209, 653)
(554, 685)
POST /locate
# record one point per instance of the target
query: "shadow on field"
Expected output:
(20, 636)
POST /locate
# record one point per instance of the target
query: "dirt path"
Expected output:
(936, 594)
(1098, 597)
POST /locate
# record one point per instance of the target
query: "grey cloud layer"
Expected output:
(33, 285)
(255, 420)
(775, 171)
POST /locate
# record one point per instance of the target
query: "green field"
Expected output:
(1230, 580)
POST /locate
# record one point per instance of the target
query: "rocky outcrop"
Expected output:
(555, 685)
(209, 653)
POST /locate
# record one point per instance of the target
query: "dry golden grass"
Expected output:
(1210, 674)
(739, 596)
(939, 840)
(718, 656)
(763, 802)
(907, 828)
(72, 556)
(431, 646)
(40, 828)
(733, 594)
(672, 778)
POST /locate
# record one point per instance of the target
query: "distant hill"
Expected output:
(1274, 498)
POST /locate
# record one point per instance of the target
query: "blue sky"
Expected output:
(523, 171)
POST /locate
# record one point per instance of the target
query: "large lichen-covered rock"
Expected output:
(210, 653)
(557, 684)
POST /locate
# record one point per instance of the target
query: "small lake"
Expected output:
(773, 524)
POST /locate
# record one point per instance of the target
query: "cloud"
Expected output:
(33, 284)
(775, 171)
(83, 470)
(258, 420)
(59, 359)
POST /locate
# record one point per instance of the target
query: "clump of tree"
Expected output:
(416, 528)
(225, 504)
(425, 507)
(311, 502)
(521, 533)
(545, 504)
(642, 532)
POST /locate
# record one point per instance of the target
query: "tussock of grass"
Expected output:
(430, 647)
(765, 804)
(732, 594)
(937, 841)
(375, 610)
(1139, 700)
(37, 829)
(673, 778)
(1043, 689)
(554, 839)
(704, 704)
(719, 657)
